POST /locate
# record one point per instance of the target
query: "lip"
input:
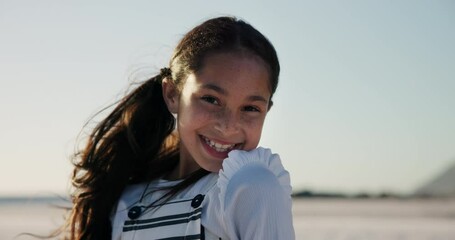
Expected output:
(213, 152)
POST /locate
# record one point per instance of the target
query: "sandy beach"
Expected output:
(314, 219)
(324, 219)
(28, 217)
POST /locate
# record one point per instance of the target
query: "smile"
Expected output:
(218, 146)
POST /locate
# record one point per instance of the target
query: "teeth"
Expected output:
(218, 146)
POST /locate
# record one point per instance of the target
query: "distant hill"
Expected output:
(441, 186)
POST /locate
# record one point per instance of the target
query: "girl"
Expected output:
(145, 174)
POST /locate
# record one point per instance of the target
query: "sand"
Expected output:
(314, 219)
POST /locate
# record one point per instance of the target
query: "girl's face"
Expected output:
(220, 108)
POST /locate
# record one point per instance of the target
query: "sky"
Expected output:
(365, 103)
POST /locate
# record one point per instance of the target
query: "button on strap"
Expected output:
(197, 201)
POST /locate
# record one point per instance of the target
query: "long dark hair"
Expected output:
(135, 142)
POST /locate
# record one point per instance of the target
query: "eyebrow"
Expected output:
(214, 88)
(223, 92)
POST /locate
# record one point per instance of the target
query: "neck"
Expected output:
(183, 169)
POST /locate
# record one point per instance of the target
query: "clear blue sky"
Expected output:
(366, 100)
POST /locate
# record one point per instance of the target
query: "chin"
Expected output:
(213, 169)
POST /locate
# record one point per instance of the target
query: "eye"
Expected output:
(251, 109)
(210, 99)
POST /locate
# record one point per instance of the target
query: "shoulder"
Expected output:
(130, 196)
(119, 214)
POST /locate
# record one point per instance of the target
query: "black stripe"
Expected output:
(187, 237)
(162, 204)
(202, 232)
(166, 203)
(167, 223)
(182, 215)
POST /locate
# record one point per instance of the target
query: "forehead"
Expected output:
(236, 72)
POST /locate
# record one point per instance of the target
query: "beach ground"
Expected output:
(314, 219)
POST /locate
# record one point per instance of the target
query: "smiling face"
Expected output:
(220, 108)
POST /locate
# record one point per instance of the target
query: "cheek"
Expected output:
(253, 130)
(193, 114)
(253, 123)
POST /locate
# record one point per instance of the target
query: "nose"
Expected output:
(228, 123)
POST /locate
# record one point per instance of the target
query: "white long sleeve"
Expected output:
(256, 206)
(255, 196)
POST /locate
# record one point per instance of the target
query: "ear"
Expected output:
(170, 95)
